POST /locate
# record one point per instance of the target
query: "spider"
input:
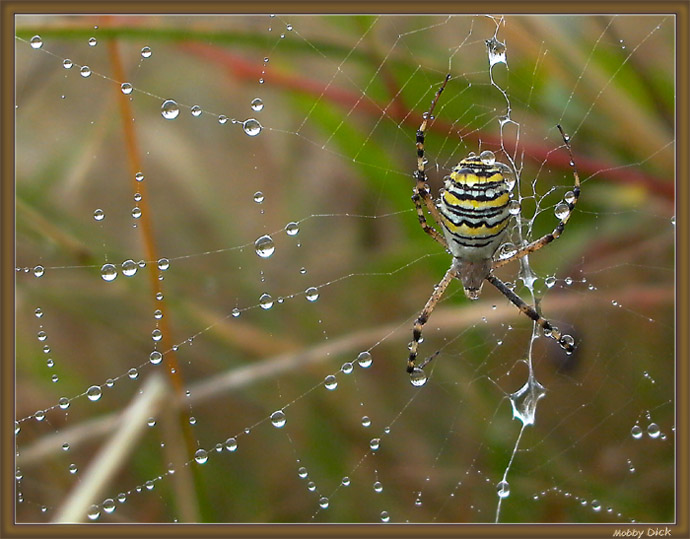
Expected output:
(473, 210)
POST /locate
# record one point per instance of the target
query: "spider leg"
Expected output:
(421, 190)
(566, 341)
(571, 199)
(423, 317)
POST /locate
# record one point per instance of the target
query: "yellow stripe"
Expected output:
(473, 179)
(452, 200)
(469, 232)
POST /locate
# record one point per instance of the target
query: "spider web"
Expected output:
(253, 370)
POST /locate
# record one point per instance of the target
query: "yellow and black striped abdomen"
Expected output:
(474, 207)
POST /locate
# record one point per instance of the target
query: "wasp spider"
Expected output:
(473, 211)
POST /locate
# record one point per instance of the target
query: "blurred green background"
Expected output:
(343, 96)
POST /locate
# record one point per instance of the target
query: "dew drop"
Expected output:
(67, 63)
(345, 481)
(201, 456)
(36, 42)
(258, 197)
(514, 207)
(496, 50)
(385, 517)
(38, 312)
(278, 419)
(93, 42)
(139, 176)
(312, 293)
(63, 403)
(375, 444)
(550, 281)
(73, 468)
(169, 109)
(366, 422)
(136, 212)
(365, 360)
(94, 393)
(418, 377)
(257, 104)
(155, 357)
(323, 502)
(108, 505)
(347, 368)
(98, 214)
(146, 52)
(231, 445)
(264, 246)
(93, 512)
(562, 210)
(252, 127)
(596, 505)
(39, 271)
(156, 335)
(636, 432)
(236, 312)
(292, 229)
(653, 430)
(108, 272)
(503, 489)
(569, 197)
(196, 111)
(129, 268)
(330, 382)
(163, 264)
(85, 71)
(126, 88)
(302, 472)
(133, 373)
(487, 157)
(222, 119)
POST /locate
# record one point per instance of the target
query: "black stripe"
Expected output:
(479, 212)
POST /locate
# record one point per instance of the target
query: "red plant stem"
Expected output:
(242, 69)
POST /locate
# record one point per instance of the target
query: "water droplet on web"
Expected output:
(156, 335)
(108, 272)
(496, 50)
(93, 512)
(506, 250)
(98, 215)
(653, 430)
(94, 393)
(524, 401)
(201, 456)
(258, 197)
(63, 403)
(67, 63)
(129, 268)
(347, 368)
(289, 28)
(158, 314)
(108, 505)
(257, 104)
(323, 502)
(146, 52)
(264, 246)
(503, 489)
(569, 197)
(133, 373)
(385, 517)
(312, 294)
(93, 42)
(365, 360)
(38, 313)
(292, 229)
(155, 357)
(85, 71)
(65, 446)
(375, 444)
(252, 127)
(236, 312)
(550, 281)
(487, 157)
(636, 432)
(278, 419)
(514, 207)
(39, 271)
(311, 486)
(163, 264)
(109, 382)
(302, 472)
(36, 42)
(139, 176)
(196, 111)
(222, 119)
(231, 445)
(562, 210)
(418, 377)
(345, 481)
(126, 88)
(169, 109)
(136, 212)
(72, 468)
(330, 382)
(378, 487)
(41, 336)
(596, 505)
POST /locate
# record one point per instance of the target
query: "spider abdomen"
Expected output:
(474, 207)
